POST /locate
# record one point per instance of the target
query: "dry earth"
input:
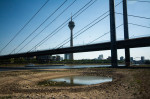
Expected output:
(127, 83)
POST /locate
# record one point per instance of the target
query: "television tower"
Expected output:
(71, 25)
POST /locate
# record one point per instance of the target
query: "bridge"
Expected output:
(130, 43)
(113, 45)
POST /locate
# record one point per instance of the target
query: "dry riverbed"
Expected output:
(127, 83)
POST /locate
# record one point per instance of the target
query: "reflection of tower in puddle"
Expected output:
(71, 80)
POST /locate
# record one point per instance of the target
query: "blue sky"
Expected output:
(15, 13)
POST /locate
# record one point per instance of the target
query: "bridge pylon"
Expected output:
(126, 33)
(114, 61)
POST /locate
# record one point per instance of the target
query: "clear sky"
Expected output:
(14, 14)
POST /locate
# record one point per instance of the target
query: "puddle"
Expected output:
(76, 80)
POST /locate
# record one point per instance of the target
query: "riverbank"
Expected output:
(127, 83)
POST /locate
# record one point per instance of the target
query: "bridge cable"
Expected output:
(64, 24)
(40, 25)
(61, 44)
(104, 34)
(24, 26)
(118, 27)
(140, 1)
(47, 25)
(134, 16)
(58, 28)
(139, 25)
(86, 6)
(85, 30)
(82, 28)
(146, 35)
(101, 36)
(76, 47)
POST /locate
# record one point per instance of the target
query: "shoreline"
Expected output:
(40, 65)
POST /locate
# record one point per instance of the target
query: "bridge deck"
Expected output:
(131, 43)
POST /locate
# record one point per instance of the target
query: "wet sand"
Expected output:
(127, 83)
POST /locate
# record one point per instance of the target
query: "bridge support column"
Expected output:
(114, 61)
(126, 33)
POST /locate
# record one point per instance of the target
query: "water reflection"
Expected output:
(83, 80)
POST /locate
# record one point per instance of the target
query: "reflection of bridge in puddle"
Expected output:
(83, 80)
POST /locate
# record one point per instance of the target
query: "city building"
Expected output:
(66, 56)
(122, 58)
(109, 58)
(57, 58)
(48, 58)
(131, 59)
(61, 58)
(53, 58)
(142, 59)
(100, 57)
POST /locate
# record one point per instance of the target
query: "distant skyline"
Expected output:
(15, 13)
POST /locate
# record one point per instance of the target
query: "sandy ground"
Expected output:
(127, 84)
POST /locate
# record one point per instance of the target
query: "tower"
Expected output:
(71, 25)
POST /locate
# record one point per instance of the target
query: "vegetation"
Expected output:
(18, 61)
(35, 61)
(27, 61)
(147, 61)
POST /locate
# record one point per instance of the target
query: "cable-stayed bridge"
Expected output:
(113, 45)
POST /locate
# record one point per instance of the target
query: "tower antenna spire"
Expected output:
(71, 16)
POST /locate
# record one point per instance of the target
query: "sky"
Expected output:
(14, 14)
